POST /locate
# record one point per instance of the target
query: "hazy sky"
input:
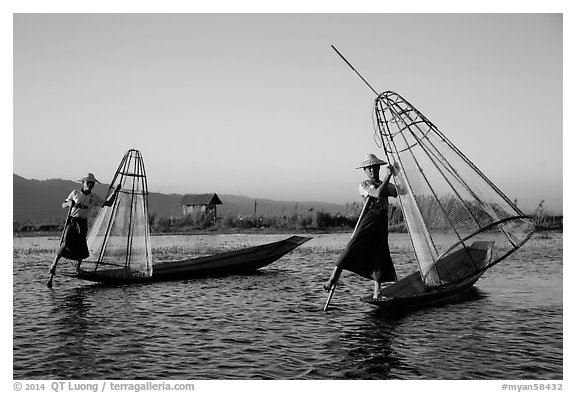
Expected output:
(260, 105)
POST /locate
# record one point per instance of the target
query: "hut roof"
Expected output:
(200, 199)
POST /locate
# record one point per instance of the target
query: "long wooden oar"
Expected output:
(337, 276)
(49, 283)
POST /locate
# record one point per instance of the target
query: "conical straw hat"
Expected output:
(370, 160)
(89, 177)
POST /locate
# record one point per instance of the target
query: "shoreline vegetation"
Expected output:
(307, 222)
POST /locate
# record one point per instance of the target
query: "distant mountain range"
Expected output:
(40, 201)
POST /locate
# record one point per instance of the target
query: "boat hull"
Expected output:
(411, 292)
(233, 262)
(429, 298)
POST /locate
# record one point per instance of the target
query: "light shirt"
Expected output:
(82, 203)
(369, 184)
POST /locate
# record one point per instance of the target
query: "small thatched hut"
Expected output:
(200, 203)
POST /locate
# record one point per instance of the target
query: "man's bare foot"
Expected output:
(328, 285)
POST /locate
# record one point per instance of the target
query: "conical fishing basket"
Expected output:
(448, 203)
(119, 239)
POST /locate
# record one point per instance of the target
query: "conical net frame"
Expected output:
(119, 239)
(448, 203)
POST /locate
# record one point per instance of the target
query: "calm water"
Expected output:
(270, 325)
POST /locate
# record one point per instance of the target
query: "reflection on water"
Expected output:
(72, 327)
(270, 325)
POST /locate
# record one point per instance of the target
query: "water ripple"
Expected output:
(270, 325)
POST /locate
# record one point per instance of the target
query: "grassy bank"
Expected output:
(311, 222)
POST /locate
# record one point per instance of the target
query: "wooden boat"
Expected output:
(460, 224)
(233, 262)
(464, 268)
(120, 245)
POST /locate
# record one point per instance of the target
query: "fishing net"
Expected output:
(449, 206)
(119, 240)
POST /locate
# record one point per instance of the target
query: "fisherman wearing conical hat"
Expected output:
(80, 203)
(368, 253)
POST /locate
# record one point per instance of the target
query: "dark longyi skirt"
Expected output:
(368, 254)
(73, 245)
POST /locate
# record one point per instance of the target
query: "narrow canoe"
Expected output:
(233, 262)
(411, 293)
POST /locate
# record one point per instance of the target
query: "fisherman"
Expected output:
(80, 202)
(368, 254)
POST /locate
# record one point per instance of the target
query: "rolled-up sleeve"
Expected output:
(365, 186)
